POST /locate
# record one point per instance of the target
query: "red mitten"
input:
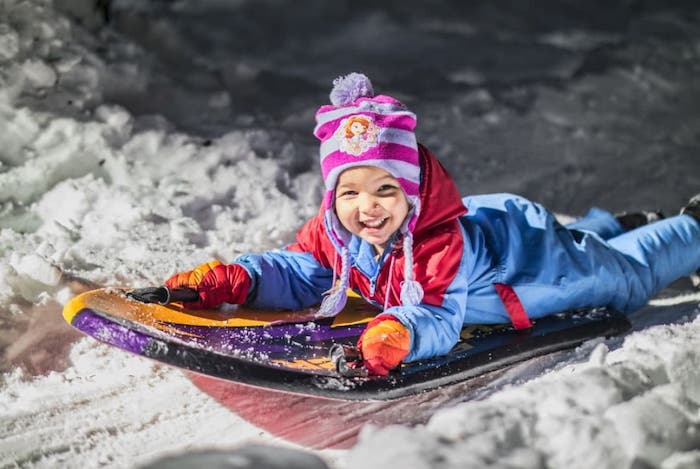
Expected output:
(215, 282)
(384, 344)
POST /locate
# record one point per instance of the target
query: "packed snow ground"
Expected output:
(181, 132)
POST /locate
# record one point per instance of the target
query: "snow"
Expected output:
(88, 416)
(636, 403)
(181, 132)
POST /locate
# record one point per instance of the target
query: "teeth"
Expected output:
(374, 224)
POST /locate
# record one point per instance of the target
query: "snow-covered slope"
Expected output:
(181, 131)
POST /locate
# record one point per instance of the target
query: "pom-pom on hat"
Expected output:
(361, 129)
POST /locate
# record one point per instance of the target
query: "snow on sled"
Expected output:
(290, 351)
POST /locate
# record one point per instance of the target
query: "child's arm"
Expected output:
(295, 277)
(276, 279)
(431, 328)
(289, 278)
(408, 333)
(434, 330)
(285, 279)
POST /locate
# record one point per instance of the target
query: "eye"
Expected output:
(346, 194)
(384, 188)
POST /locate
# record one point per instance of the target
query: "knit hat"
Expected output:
(361, 129)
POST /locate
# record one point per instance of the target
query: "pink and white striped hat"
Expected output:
(361, 129)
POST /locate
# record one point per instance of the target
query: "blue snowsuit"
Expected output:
(461, 259)
(510, 240)
(555, 268)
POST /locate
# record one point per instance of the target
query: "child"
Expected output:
(393, 227)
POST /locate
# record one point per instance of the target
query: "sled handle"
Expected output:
(348, 361)
(163, 295)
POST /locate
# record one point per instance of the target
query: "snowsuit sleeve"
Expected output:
(435, 324)
(294, 277)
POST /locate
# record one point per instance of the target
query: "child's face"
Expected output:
(370, 203)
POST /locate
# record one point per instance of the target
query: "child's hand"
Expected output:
(384, 344)
(215, 282)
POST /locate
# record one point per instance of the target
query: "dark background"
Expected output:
(567, 102)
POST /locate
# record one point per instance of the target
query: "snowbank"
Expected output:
(637, 405)
(181, 133)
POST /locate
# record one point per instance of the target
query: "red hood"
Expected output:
(440, 200)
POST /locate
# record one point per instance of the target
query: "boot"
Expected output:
(630, 221)
(693, 208)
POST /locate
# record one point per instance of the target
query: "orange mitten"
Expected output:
(384, 344)
(215, 282)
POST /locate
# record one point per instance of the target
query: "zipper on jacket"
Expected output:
(380, 265)
(391, 245)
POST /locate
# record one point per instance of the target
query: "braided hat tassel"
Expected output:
(336, 298)
(411, 291)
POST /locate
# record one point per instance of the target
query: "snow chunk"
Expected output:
(39, 74)
(9, 42)
(37, 268)
(685, 460)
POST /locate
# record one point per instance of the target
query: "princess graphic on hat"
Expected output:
(357, 134)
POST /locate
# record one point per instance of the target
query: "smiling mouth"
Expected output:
(374, 224)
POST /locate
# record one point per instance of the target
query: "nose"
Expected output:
(367, 202)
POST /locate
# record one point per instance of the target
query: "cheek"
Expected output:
(399, 208)
(344, 212)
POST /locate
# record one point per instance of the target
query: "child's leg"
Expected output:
(554, 268)
(658, 254)
(598, 221)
